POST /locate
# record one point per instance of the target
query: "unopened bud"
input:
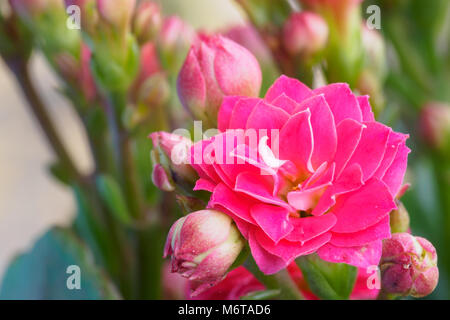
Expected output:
(408, 266)
(203, 246)
(147, 21)
(216, 67)
(305, 34)
(399, 219)
(174, 153)
(435, 125)
(116, 13)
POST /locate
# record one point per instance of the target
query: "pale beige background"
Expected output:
(30, 201)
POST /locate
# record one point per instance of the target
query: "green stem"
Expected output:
(116, 104)
(281, 280)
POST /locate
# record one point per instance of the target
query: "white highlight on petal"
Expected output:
(267, 155)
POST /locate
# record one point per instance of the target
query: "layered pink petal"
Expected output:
(362, 208)
(223, 119)
(267, 262)
(366, 109)
(290, 87)
(378, 231)
(323, 127)
(363, 256)
(273, 220)
(241, 112)
(342, 101)
(348, 136)
(396, 172)
(296, 141)
(310, 227)
(371, 148)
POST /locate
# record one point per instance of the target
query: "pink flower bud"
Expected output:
(203, 246)
(116, 13)
(399, 219)
(305, 33)
(147, 21)
(408, 266)
(176, 149)
(175, 33)
(161, 179)
(435, 124)
(216, 67)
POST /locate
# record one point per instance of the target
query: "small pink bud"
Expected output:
(203, 245)
(176, 149)
(408, 266)
(216, 67)
(175, 33)
(399, 219)
(305, 33)
(116, 13)
(149, 63)
(147, 21)
(160, 178)
(435, 124)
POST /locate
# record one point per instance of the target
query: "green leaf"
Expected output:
(332, 281)
(112, 195)
(42, 273)
(262, 295)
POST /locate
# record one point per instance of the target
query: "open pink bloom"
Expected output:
(328, 188)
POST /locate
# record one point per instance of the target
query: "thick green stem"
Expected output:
(281, 280)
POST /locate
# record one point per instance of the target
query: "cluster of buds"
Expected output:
(203, 246)
(408, 266)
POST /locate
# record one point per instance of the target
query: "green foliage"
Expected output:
(328, 280)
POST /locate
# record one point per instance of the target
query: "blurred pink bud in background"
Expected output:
(147, 21)
(116, 13)
(435, 124)
(305, 33)
(203, 245)
(216, 67)
(175, 33)
(408, 266)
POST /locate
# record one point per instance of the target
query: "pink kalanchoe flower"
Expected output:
(216, 67)
(327, 188)
(305, 33)
(409, 266)
(203, 246)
